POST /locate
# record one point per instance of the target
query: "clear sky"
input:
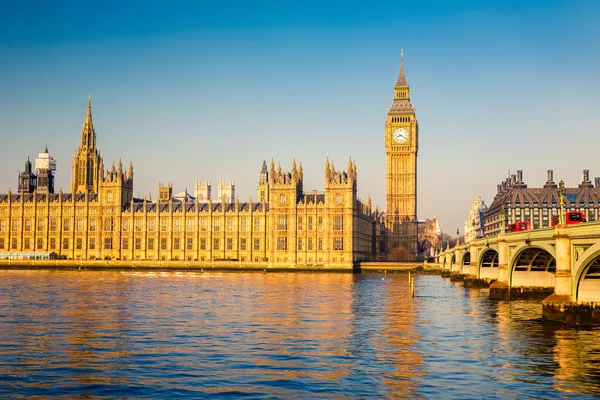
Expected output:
(193, 89)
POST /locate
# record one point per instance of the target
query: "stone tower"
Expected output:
(226, 191)
(27, 179)
(45, 165)
(116, 185)
(202, 191)
(87, 163)
(401, 145)
(263, 184)
(165, 192)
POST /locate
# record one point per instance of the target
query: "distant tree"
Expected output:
(399, 254)
(423, 246)
(447, 240)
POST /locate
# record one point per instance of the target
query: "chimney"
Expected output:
(513, 179)
(586, 180)
(550, 182)
(597, 182)
(519, 180)
(503, 186)
(500, 186)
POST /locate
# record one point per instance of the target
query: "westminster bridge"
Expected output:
(560, 263)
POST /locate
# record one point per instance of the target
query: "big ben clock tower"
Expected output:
(401, 144)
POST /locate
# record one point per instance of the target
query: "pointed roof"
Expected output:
(401, 78)
(88, 116)
(88, 135)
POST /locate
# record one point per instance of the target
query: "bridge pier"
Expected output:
(501, 291)
(472, 282)
(560, 306)
(456, 276)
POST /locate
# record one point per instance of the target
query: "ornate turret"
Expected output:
(263, 184)
(202, 191)
(340, 179)
(282, 182)
(165, 192)
(27, 179)
(264, 175)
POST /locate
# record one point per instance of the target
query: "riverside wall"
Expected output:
(212, 265)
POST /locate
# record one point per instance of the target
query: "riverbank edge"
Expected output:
(221, 266)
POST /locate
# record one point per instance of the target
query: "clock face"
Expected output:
(400, 135)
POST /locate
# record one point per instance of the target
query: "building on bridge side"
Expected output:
(474, 223)
(516, 202)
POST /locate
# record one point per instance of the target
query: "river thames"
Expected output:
(277, 335)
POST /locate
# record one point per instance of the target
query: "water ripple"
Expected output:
(251, 335)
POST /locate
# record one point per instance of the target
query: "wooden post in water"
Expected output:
(412, 287)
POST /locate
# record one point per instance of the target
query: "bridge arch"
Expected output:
(465, 262)
(532, 266)
(488, 264)
(452, 261)
(587, 276)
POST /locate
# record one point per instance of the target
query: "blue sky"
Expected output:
(195, 89)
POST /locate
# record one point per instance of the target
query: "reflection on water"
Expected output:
(165, 334)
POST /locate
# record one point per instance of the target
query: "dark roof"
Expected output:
(52, 197)
(138, 207)
(518, 196)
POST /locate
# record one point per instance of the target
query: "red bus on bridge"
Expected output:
(572, 217)
(519, 226)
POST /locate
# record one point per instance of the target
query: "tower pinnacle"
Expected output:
(401, 78)
(88, 116)
(88, 168)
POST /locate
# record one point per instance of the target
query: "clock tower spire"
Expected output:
(401, 145)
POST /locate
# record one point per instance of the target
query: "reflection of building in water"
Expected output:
(390, 334)
(577, 353)
(306, 316)
(523, 341)
(402, 337)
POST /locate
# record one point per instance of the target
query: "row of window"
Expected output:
(282, 224)
(282, 244)
(581, 202)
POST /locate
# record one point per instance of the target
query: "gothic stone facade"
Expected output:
(101, 219)
(401, 146)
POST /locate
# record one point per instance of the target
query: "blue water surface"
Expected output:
(66, 334)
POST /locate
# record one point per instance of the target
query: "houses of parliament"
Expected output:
(101, 219)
